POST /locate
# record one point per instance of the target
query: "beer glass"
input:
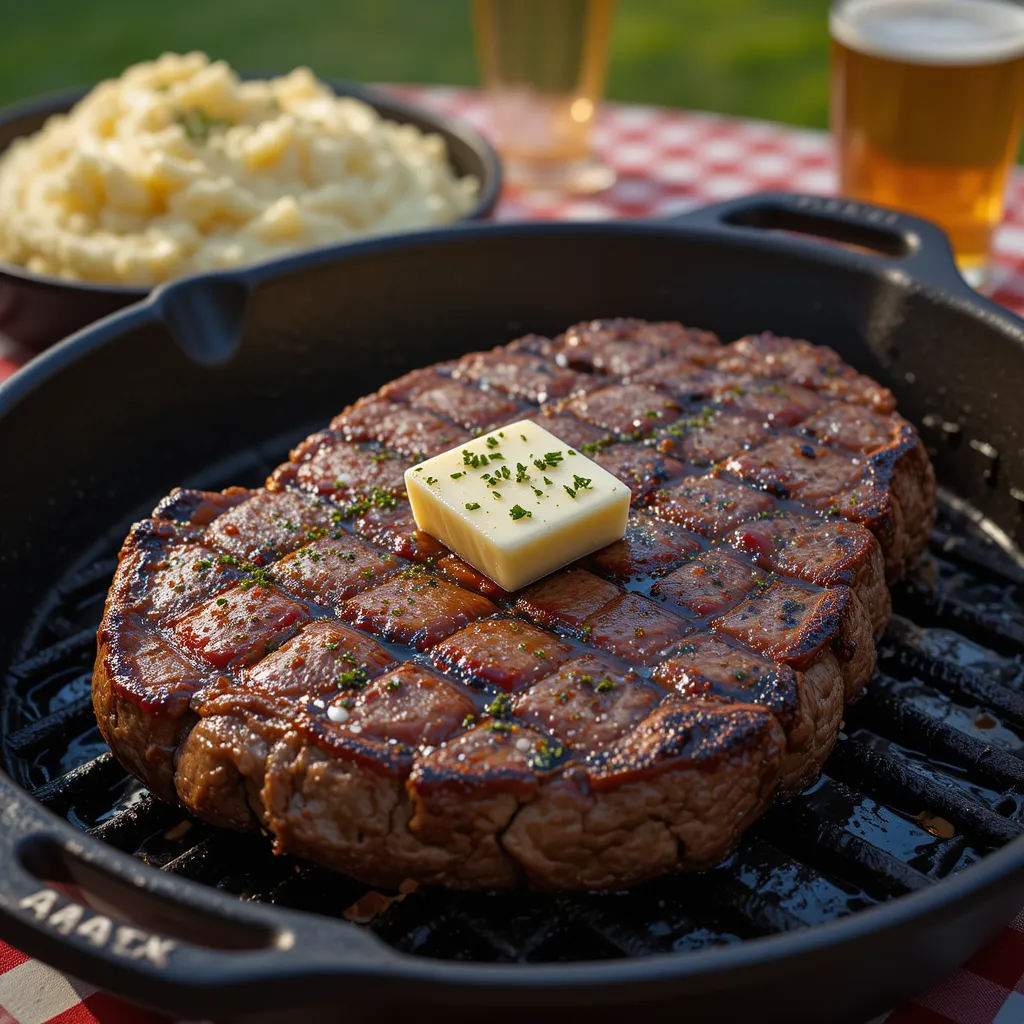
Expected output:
(543, 63)
(927, 104)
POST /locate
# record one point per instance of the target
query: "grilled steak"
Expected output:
(301, 659)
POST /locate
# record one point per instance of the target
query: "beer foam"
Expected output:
(964, 32)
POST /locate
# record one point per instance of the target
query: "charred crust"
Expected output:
(389, 759)
(802, 637)
(681, 735)
(449, 767)
(200, 508)
(762, 682)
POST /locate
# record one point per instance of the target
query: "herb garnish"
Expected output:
(377, 498)
(353, 679)
(545, 755)
(198, 124)
(501, 706)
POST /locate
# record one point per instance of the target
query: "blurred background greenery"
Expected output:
(759, 58)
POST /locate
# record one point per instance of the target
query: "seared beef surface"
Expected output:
(301, 659)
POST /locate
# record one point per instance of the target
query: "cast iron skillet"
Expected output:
(114, 416)
(37, 310)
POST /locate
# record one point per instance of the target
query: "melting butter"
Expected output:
(517, 503)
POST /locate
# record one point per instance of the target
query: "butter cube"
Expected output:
(517, 503)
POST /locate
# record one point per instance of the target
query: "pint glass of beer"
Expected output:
(927, 104)
(543, 67)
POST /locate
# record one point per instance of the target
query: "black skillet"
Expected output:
(207, 366)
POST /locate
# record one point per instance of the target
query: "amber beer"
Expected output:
(543, 65)
(927, 103)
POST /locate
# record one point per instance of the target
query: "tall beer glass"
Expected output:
(543, 68)
(927, 104)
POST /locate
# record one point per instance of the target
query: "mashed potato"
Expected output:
(178, 166)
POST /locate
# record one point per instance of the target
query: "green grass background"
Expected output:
(760, 58)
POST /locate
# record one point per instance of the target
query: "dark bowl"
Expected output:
(37, 310)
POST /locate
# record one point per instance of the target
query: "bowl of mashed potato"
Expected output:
(182, 166)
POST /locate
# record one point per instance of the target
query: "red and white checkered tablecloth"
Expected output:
(668, 161)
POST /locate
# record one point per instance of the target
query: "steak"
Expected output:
(301, 659)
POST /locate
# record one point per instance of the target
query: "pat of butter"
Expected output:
(517, 503)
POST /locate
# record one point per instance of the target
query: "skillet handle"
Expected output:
(100, 915)
(894, 239)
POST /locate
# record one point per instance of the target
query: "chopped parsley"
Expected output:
(353, 679)
(199, 125)
(545, 755)
(501, 706)
(472, 505)
(377, 498)
(257, 576)
(518, 512)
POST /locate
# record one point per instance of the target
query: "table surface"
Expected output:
(668, 161)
